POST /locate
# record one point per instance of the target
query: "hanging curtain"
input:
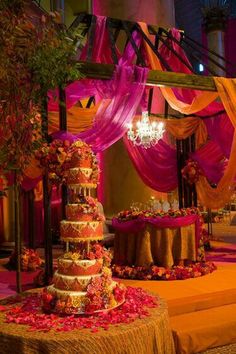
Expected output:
(211, 160)
(217, 197)
(156, 165)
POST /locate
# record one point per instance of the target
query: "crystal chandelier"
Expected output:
(146, 133)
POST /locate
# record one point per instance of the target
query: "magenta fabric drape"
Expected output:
(211, 160)
(110, 122)
(220, 130)
(157, 166)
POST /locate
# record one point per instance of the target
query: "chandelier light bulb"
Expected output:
(145, 134)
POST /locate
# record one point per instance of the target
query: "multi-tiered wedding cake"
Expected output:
(82, 282)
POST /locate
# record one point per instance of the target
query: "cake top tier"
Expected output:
(83, 165)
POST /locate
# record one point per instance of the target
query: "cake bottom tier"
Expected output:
(97, 298)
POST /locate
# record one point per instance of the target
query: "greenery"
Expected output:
(37, 54)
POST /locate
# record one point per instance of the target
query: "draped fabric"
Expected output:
(157, 166)
(199, 101)
(218, 196)
(120, 99)
(112, 117)
(221, 131)
(183, 128)
(210, 197)
(211, 160)
(78, 119)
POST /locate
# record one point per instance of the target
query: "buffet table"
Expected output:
(151, 334)
(163, 241)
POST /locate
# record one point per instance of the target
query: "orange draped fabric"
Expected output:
(217, 197)
(182, 128)
(78, 119)
(199, 103)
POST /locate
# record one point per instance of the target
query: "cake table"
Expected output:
(144, 336)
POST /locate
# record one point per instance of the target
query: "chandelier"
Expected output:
(146, 133)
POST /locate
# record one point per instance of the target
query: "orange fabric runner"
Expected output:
(199, 103)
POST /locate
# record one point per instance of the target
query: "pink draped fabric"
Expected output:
(74, 92)
(133, 226)
(110, 122)
(220, 130)
(211, 160)
(157, 166)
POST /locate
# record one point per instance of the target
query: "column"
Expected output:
(215, 18)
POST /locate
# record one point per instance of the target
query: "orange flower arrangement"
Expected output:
(191, 172)
(30, 260)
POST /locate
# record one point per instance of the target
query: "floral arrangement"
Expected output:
(191, 172)
(30, 260)
(27, 310)
(87, 205)
(59, 156)
(131, 215)
(54, 156)
(96, 251)
(82, 154)
(100, 293)
(160, 273)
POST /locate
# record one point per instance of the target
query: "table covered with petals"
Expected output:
(146, 335)
(162, 240)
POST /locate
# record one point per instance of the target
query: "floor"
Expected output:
(187, 299)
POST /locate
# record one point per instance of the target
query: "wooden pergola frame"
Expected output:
(155, 77)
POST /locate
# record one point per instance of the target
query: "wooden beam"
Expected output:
(155, 77)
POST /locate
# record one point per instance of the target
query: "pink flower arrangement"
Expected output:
(30, 260)
(97, 251)
(191, 172)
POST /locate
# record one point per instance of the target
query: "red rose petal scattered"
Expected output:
(29, 312)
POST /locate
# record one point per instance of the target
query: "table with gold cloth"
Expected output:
(160, 241)
(149, 335)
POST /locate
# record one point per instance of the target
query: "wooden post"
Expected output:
(179, 167)
(47, 229)
(31, 220)
(194, 192)
(63, 126)
(47, 204)
(17, 233)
